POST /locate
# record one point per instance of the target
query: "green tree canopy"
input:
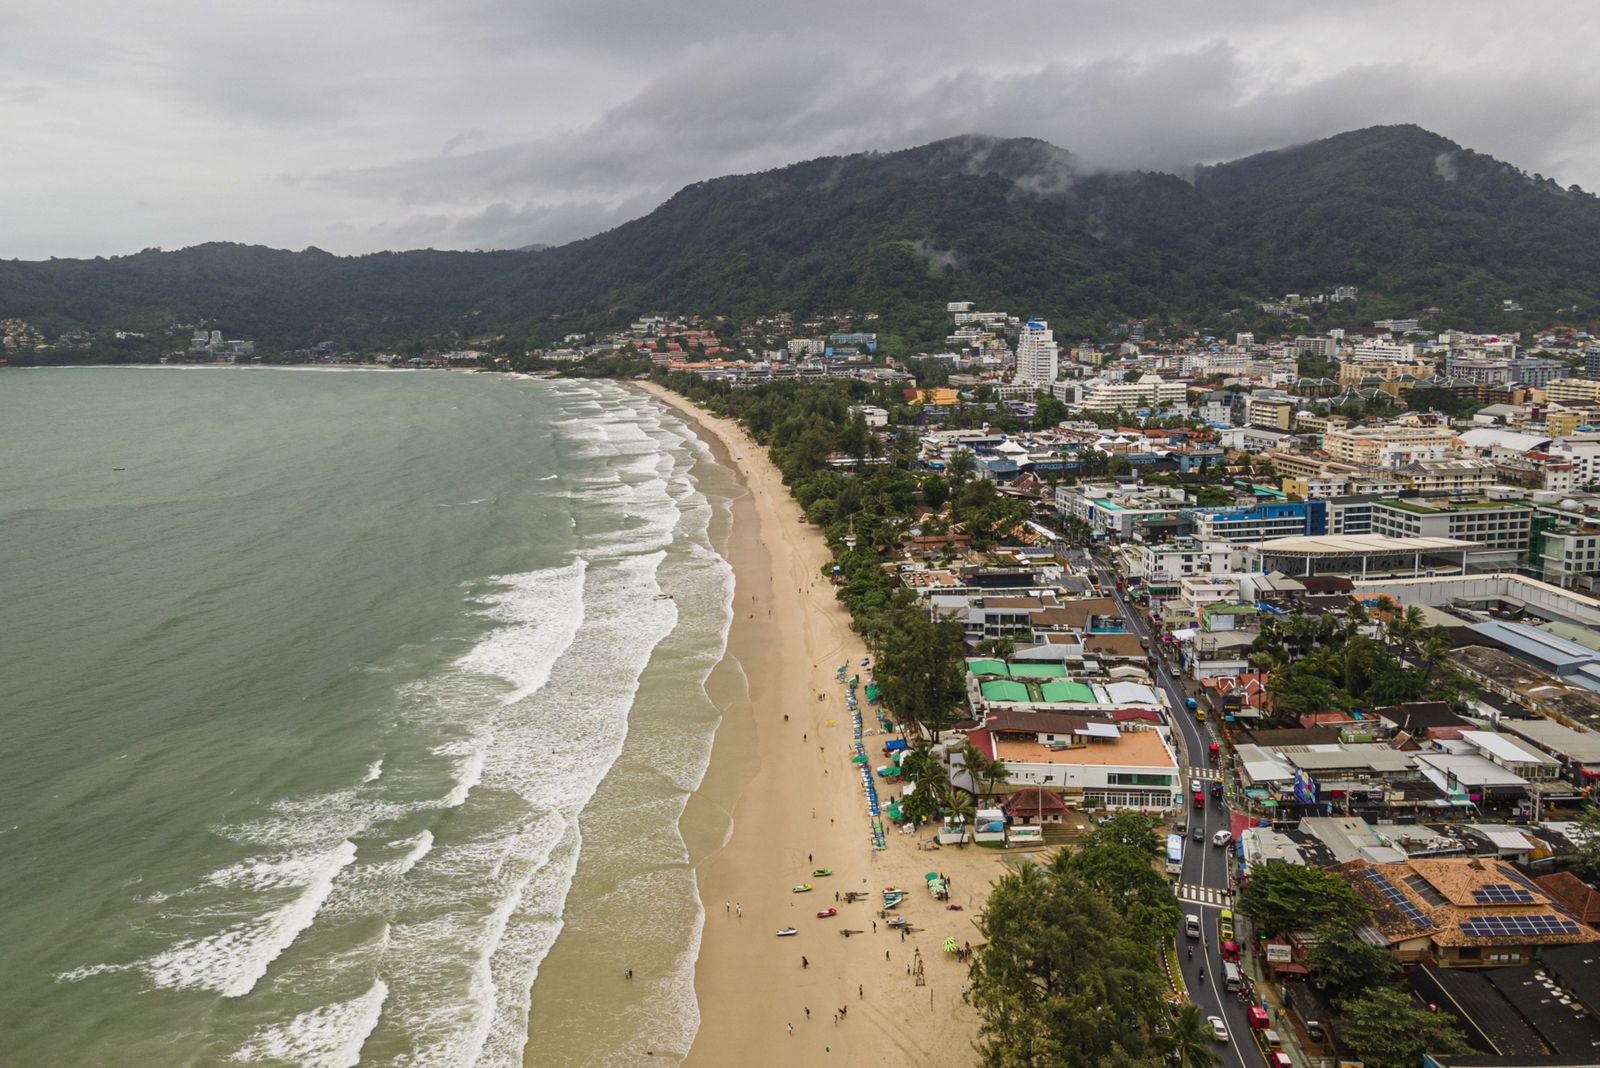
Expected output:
(1060, 979)
(1388, 1029)
(1347, 964)
(1293, 897)
(919, 665)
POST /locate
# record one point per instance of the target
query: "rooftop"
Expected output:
(1363, 543)
(1461, 902)
(1143, 749)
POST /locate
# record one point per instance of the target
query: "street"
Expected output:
(1205, 866)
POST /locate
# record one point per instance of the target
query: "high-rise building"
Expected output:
(1591, 363)
(1036, 354)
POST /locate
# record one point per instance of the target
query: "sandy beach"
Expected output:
(795, 804)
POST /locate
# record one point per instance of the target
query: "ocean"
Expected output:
(343, 710)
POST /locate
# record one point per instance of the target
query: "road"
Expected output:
(1204, 865)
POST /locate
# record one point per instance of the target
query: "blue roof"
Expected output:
(1550, 651)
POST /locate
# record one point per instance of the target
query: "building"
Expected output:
(1573, 390)
(1151, 391)
(1259, 521)
(1461, 912)
(1388, 446)
(851, 343)
(1270, 409)
(1570, 558)
(1091, 762)
(1502, 527)
(1537, 372)
(1454, 478)
(1037, 354)
(1360, 555)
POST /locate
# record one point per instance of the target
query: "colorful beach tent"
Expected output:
(1062, 691)
(1003, 690)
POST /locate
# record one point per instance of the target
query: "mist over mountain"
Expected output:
(1410, 217)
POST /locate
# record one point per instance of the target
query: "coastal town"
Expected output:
(1324, 644)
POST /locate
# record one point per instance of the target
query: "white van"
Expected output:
(1230, 976)
(1222, 838)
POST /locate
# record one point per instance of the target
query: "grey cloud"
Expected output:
(1164, 112)
(382, 123)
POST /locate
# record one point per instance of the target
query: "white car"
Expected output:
(1219, 1030)
(1222, 838)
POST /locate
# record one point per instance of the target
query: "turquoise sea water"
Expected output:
(317, 710)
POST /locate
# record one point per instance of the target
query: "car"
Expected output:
(1219, 1030)
(1180, 827)
(1198, 834)
(1191, 925)
(1194, 786)
(1222, 838)
(1216, 789)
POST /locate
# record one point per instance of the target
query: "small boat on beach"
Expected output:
(825, 913)
(785, 932)
(820, 872)
(801, 889)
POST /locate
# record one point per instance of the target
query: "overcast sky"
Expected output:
(357, 125)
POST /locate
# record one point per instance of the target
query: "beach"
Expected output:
(794, 802)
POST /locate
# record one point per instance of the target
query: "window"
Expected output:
(1117, 778)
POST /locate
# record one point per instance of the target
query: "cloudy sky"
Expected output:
(357, 125)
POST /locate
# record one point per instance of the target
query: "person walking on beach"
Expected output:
(804, 963)
(739, 910)
(628, 975)
(808, 1012)
(861, 992)
(791, 1030)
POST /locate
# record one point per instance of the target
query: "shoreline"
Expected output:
(780, 797)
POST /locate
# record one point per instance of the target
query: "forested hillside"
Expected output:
(1411, 218)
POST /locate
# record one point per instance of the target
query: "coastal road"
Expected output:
(1204, 884)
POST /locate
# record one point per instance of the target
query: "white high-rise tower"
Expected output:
(1036, 354)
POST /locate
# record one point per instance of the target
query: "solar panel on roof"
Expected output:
(1517, 926)
(1398, 899)
(1501, 894)
(1516, 876)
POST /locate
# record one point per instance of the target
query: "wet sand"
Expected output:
(795, 803)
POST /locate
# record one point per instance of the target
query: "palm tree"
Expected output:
(962, 808)
(1191, 1038)
(995, 772)
(976, 762)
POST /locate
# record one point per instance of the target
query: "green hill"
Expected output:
(1410, 217)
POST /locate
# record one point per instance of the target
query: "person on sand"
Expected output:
(791, 1030)
(804, 963)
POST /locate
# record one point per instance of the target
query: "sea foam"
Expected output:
(326, 1037)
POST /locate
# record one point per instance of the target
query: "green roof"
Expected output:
(987, 667)
(1004, 690)
(1064, 692)
(1041, 670)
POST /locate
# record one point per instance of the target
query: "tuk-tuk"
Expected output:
(1258, 1018)
(1213, 749)
(1230, 950)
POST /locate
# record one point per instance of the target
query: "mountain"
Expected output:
(1408, 216)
